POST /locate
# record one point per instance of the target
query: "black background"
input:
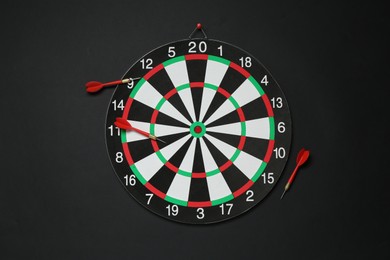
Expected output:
(59, 197)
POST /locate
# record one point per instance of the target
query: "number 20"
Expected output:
(202, 47)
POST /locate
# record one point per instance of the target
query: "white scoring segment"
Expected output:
(218, 187)
(223, 110)
(232, 129)
(245, 162)
(248, 164)
(159, 130)
(178, 74)
(163, 130)
(148, 95)
(256, 128)
(208, 160)
(188, 161)
(132, 136)
(216, 183)
(215, 72)
(186, 97)
(245, 93)
(150, 165)
(180, 187)
(168, 109)
(207, 97)
(223, 147)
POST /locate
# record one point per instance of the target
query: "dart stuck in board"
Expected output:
(125, 125)
(203, 135)
(96, 86)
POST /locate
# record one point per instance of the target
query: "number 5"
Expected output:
(171, 52)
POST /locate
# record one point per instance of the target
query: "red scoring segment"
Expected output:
(196, 56)
(153, 71)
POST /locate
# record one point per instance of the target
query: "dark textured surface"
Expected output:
(59, 197)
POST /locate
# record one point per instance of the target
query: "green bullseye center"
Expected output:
(197, 129)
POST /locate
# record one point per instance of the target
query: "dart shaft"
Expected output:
(142, 132)
(116, 82)
(292, 177)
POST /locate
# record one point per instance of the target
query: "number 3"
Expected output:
(200, 212)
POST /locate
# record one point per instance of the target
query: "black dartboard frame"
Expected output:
(226, 126)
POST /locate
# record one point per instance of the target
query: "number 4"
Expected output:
(264, 80)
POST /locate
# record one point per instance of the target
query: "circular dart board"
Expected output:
(210, 131)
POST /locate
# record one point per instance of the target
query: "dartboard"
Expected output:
(218, 131)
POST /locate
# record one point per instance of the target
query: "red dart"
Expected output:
(302, 157)
(95, 86)
(125, 125)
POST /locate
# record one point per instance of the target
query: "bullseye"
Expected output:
(198, 129)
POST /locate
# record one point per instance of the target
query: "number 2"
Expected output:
(250, 194)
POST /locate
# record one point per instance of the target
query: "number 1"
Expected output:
(220, 50)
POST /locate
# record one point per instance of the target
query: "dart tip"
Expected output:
(283, 194)
(161, 140)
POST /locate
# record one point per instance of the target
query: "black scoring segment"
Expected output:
(199, 190)
(161, 82)
(232, 80)
(196, 70)
(215, 104)
(255, 109)
(234, 178)
(256, 147)
(140, 112)
(178, 157)
(162, 180)
(198, 159)
(219, 158)
(140, 149)
(167, 120)
(232, 117)
(233, 140)
(169, 139)
(197, 99)
(177, 102)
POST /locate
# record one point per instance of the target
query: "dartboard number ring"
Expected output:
(225, 128)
